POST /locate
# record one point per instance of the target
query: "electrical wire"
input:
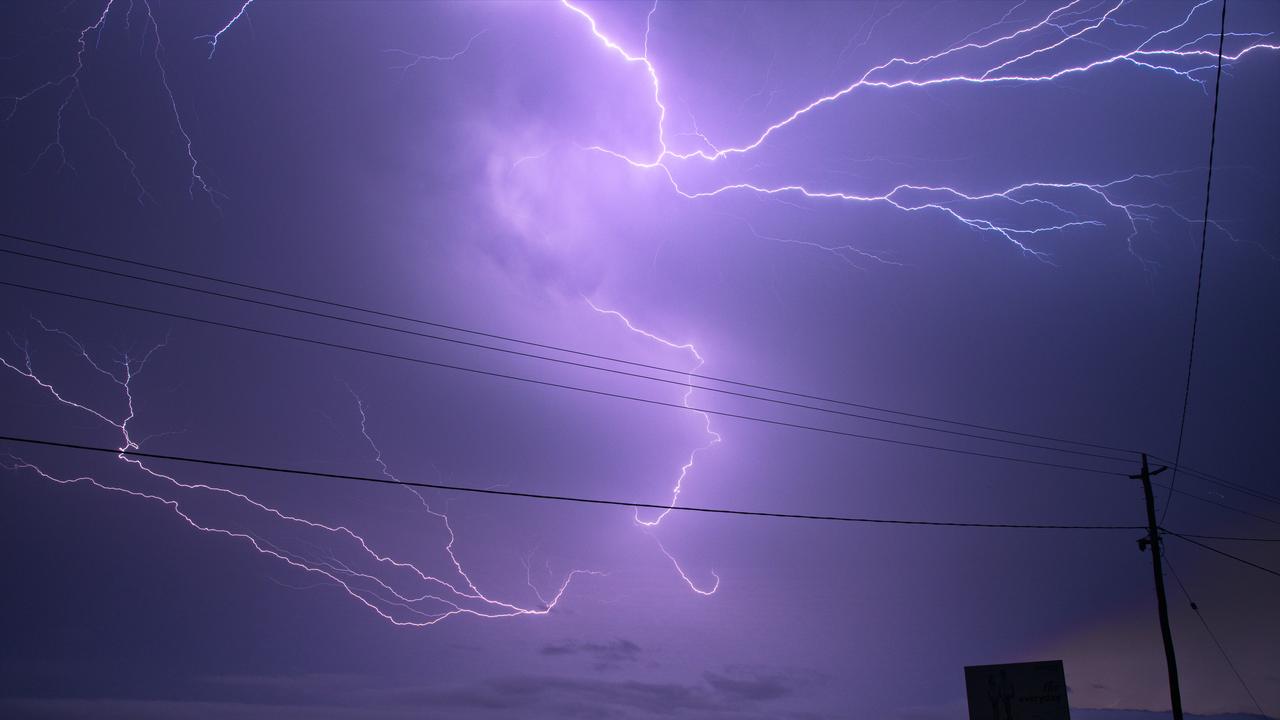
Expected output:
(482, 346)
(620, 396)
(1206, 477)
(1215, 503)
(1223, 553)
(1212, 636)
(1204, 238)
(556, 348)
(551, 384)
(542, 496)
(1217, 480)
(1230, 537)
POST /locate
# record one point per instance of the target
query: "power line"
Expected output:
(1222, 482)
(562, 361)
(556, 348)
(1215, 503)
(1206, 477)
(542, 496)
(1204, 241)
(562, 386)
(1230, 537)
(1249, 492)
(1209, 630)
(619, 396)
(1223, 553)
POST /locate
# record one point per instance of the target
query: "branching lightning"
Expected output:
(215, 36)
(399, 591)
(68, 90)
(1007, 52)
(683, 576)
(846, 253)
(413, 60)
(1004, 59)
(1072, 24)
(713, 438)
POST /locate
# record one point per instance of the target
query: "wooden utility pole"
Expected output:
(1152, 540)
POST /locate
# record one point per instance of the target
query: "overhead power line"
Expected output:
(556, 348)
(1210, 548)
(661, 403)
(1206, 477)
(1204, 242)
(556, 385)
(542, 496)
(1214, 637)
(562, 361)
(1215, 503)
(1220, 481)
(1230, 537)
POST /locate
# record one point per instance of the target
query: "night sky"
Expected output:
(980, 212)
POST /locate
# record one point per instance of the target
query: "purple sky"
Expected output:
(1000, 227)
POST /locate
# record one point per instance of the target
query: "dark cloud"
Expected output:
(606, 655)
(750, 687)
(584, 697)
(728, 692)
(131, 709)
(735, 692)
(462, 192)
(514, 698)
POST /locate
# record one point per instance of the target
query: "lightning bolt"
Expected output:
(846, 253)
(1072, 25)
(71, 81)
(684, 576)
(1015, 52)
(713, 438)
(1003, 59)
(196, 177)
(215, 36)
(68, 90)
(398, 591)
(414, 59)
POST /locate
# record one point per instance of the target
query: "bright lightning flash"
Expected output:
(999, 60)
(69, 91)
(713, 438)
(398, 591)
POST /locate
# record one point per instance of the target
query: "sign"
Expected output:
(1021, 691)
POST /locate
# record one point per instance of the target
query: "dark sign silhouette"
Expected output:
(1020, 691)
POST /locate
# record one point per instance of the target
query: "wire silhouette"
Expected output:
(562, 361)
(1204, 237)
(542, 496)
(557, 348)
(1223, 553)
(1206, 477)
(1212, 636)
(551, 384)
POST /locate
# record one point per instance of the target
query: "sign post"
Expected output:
(1020, 691)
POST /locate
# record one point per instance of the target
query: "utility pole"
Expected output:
(1153, 541)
